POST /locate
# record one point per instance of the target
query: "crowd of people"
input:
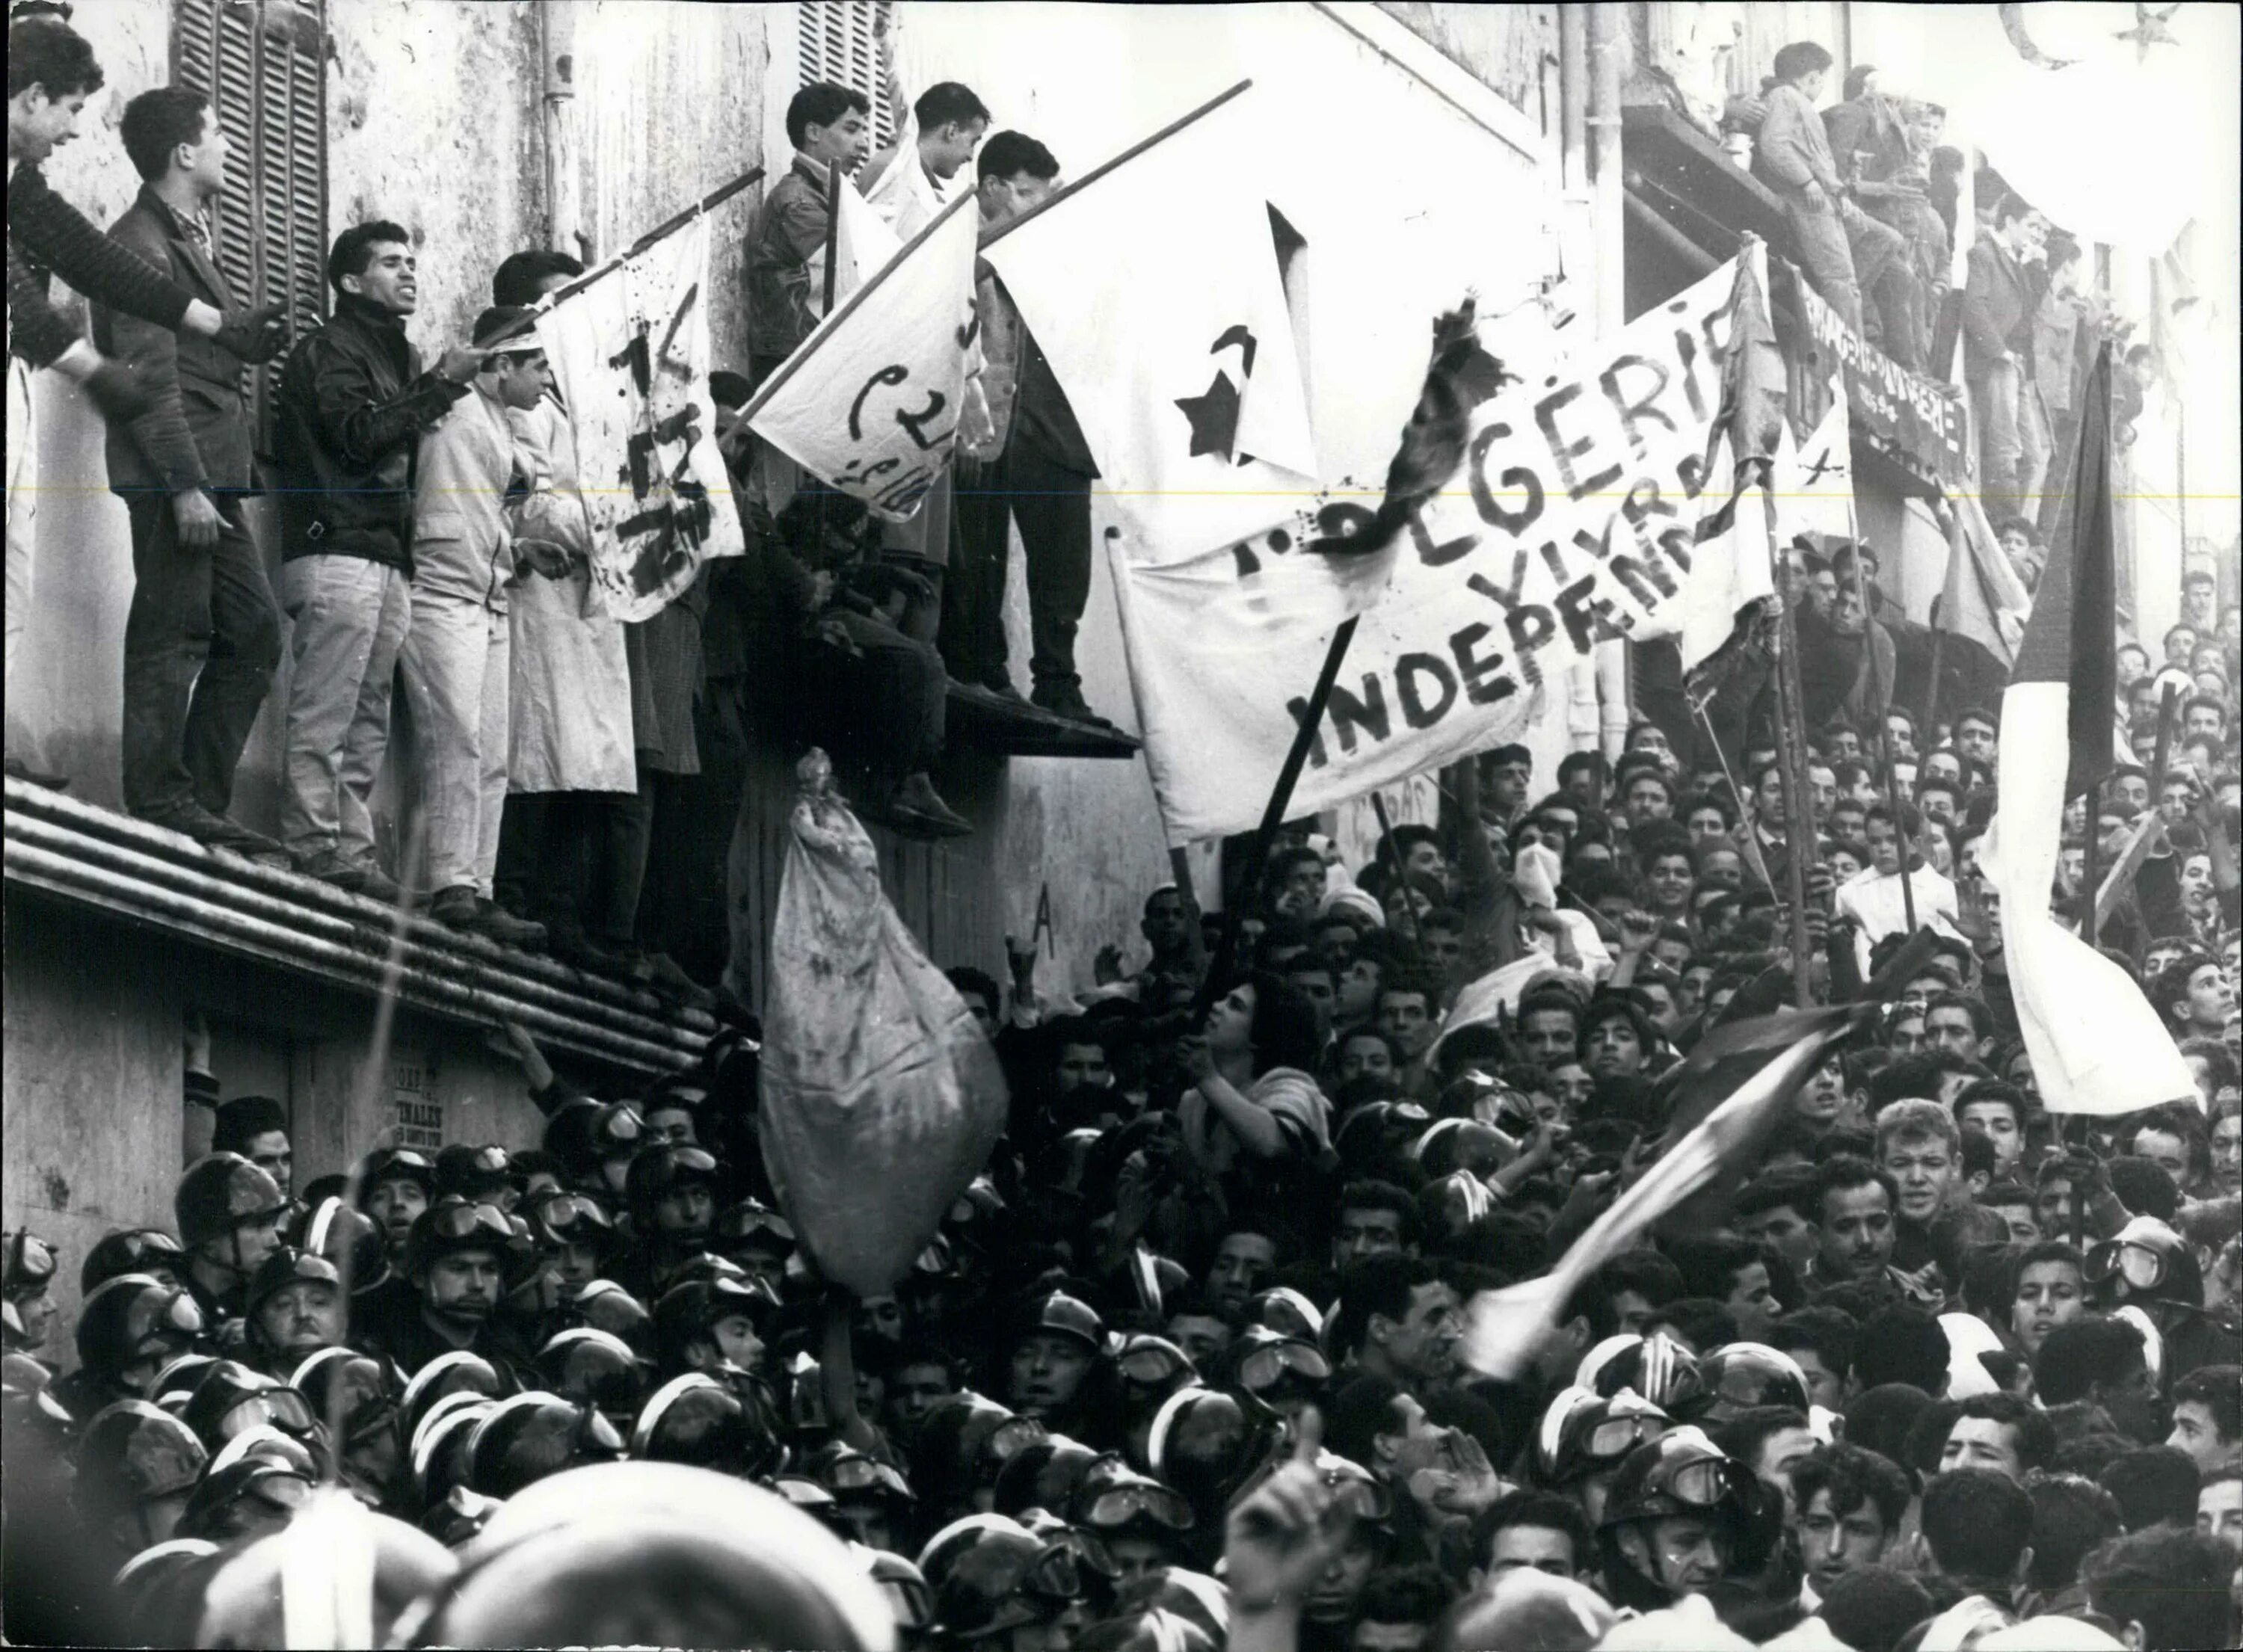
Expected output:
(1185, 1365)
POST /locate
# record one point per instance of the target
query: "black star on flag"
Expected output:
(1214, 417)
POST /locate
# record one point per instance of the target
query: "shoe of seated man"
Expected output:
(916, 808)
(669, 980)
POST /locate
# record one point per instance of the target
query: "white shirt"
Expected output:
(1874, 899)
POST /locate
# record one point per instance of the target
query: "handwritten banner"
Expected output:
(631, 356)
(1570, 521)
(1903, 411)
(869, 404)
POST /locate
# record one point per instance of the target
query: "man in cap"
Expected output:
(228, 1215)
(455, 660)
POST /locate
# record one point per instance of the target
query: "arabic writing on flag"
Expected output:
(869, 402)
(631, 356)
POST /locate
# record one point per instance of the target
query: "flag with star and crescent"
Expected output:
(1154, 292)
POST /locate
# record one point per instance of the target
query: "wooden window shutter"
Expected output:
(840, 42)
(263, 65)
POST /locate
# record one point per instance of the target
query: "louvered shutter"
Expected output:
(262, 64)
(840, 42)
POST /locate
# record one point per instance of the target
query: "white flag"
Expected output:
(631, 355)
(862, 242)
(869, 402)
(1154, 293)
(1815, 478)
(1504, 1327)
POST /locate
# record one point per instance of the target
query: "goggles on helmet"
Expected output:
(1152, 1364)
(746, 1221)
(1708, 1482)
(2141, 1266)
(1356, 1491)
(1009, 1439)
(572, 1218)
(849, 1475)
(30, 1261)
(1266, 1367)
(1118, 1505)
(281, 1408)
(454, 1222)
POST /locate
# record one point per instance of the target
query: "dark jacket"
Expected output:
(1994, 304)
(352, 403)
(198, 433)
(46, 234)
(787, 238)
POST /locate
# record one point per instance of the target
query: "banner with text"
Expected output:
(631, 356)
(1570, 521)
(1904, 410)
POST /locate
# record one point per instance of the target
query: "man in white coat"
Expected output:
(456, 663)
(572, 778)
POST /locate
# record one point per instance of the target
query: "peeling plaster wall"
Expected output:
(669, 107)
(432, 123)
(1511, 49)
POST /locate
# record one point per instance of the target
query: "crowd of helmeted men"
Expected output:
(1186, 1364)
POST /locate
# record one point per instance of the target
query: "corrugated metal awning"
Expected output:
(65, 850)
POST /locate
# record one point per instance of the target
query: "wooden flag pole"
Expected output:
(1791, 767)
(1386, 831)
(833, 236)
(991, 236)
(709, 202)
(787, 369)
(2089, 927)
(1273, 814)
(1892, 785)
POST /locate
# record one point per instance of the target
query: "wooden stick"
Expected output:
(1892, 787)
(991, 236)
(1791, 766)
(1273, 814)
(1387, 833)
(713, 199)
(833, 236)
(2129, 862)
(787, 369)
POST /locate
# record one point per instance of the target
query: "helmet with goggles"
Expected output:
(133, 1319)
(2145, 1260)
(129, 1250)
(1683, 1475)
(1739, 1376)
(1585, 1433)
(220, 1192)
(1656, 1367)
(453, 1226)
